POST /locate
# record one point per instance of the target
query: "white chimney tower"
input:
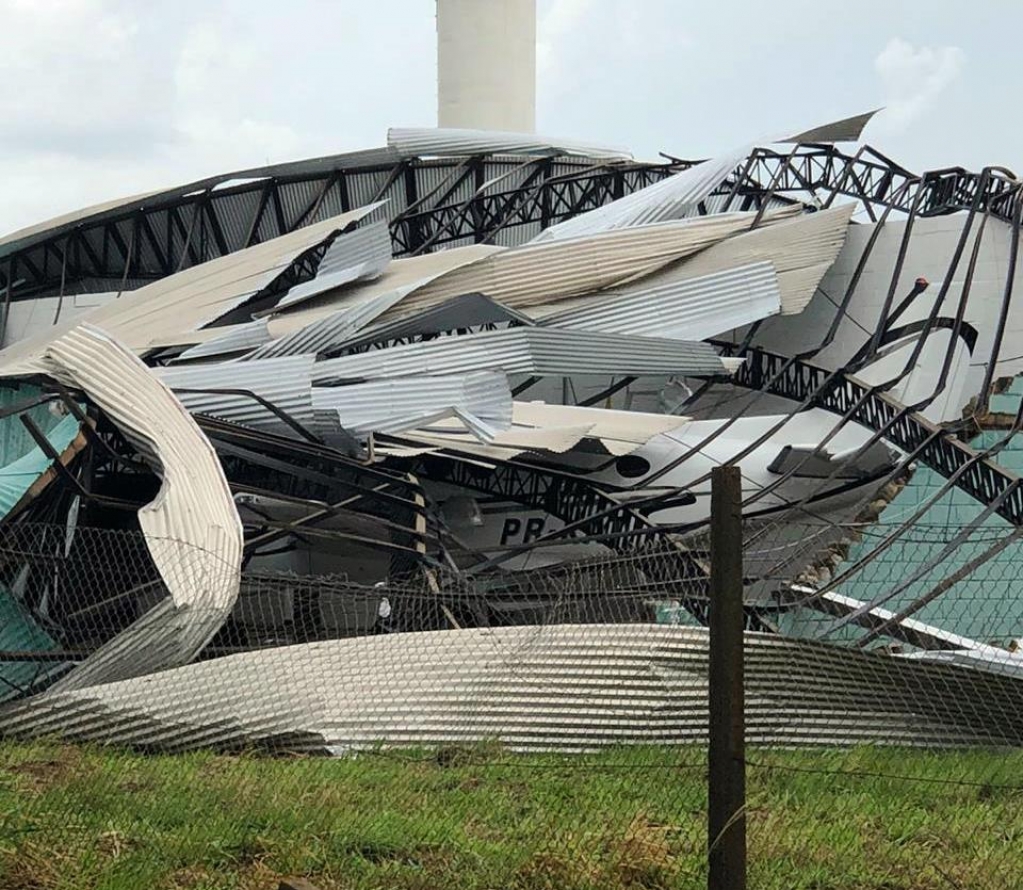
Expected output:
(486, 64)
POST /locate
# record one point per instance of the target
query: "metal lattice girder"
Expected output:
(875, 181)
(437, 202)
(148, 239)
(982, 479)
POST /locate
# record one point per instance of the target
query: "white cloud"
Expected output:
(113, 101)
(80, 78)
(106, 98)
(914, 78)
(554, 28)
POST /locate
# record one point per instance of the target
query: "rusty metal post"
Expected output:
(726, 774)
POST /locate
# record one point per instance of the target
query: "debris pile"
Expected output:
(457, 366)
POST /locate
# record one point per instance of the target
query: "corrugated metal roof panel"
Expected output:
(548, 271)
(192, 528)
(458, 313)
(694, 309)
(402, 275)
(620, 431)
(389, 406)
(239, 338)
(556, 687)
(672, 198)
(365, 187)
(201, 294)
(319, 335)
(540, 351)
(438, 142)
(362, 254)
(284, 382)
(801, 249)
(504, 446)
(553, 428)
(848, 129)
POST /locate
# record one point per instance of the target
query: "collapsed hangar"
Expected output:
(472, 368)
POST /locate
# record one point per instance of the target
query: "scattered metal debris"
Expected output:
(449, 373)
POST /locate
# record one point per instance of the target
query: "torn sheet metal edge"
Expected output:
(394, 405)
(632, 427)
(537, 426)
(320, 336)
(849, 129)
(358, 255)
(505, 446)
(240, 338)
(402, 276)
(457, 313)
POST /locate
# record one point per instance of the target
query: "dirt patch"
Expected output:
(647, 856)
(255, 877)
(39, 775)
(30, 869)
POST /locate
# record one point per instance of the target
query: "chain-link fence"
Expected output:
(536, 730)
(543, 729)
(902, 702)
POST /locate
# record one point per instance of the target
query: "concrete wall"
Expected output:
(486, 64)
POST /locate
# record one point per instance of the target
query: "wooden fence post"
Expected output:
(726, 773)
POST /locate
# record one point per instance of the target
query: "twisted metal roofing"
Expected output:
(192, 529)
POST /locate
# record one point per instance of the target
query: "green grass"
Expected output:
(483, 819)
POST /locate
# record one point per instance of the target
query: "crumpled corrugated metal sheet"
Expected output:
(402, 277)
(546, 272)
(164, 312)
(354, 256)
(284, 382)
(413, 142)
(239, 338)
(553, 687)
(620, 432)
(678, 196)
(192, 529)
(390, 406)
(536, 426)
(320, 335)
(693, 309)
(536, 350)
(670, 199)
(458, 313)
(801, 249)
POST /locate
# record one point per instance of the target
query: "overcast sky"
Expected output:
(104, 98)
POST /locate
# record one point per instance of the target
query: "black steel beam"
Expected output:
(425, 217)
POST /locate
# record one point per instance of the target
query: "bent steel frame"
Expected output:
(433, 203)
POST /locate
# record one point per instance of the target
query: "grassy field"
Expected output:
(483, 819)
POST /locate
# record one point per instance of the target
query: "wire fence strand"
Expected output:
(535, 729)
